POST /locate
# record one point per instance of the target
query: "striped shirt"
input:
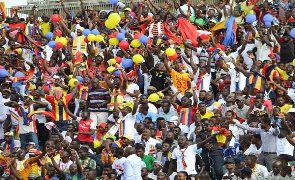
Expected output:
(97, 96)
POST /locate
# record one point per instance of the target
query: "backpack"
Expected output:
(287, 52)
(238, 10)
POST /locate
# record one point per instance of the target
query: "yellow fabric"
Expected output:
(218, 26)
(56, 158)
(285, 108)
(75, 43)
(65, 92)
(25, 167)
(45, 27)
(180, 80)
(283, 73)
(208, 114)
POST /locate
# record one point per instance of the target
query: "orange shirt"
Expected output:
(147, 18)
(180, 80)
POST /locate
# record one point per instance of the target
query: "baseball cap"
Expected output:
(292, 110)
(31, 143)
(173, 119)
(229, 160)
(9, 134)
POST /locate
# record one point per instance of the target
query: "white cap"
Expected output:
(292, 110)
(184, 129)
(173, 119)
(121, 5)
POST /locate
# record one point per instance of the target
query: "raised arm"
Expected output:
(168, 68)
(65, 9)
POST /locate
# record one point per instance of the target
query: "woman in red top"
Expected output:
(86, 128)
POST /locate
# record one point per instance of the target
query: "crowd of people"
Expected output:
(178, 91)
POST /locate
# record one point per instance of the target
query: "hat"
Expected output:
(103, 125)
(121, 5)
(32, 175)
(173, 119)
(45, 16)
(31, 143)
(29, 96)
(126, 136)
(9, 134)
(80, 28)
(212, 20)
(34, 152)
(184, 129)
(7, 90)
(229, 160)
(292, 110)
(158, 162)
(127, 9)
(109, 137)
(240, 98)
(152, 88)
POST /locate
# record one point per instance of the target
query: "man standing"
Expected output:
(98, 98)
(268, 134)
(132, 165)
(184, 156)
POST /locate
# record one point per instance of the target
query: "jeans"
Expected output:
(213, 160)
(29, 137)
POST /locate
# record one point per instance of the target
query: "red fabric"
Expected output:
(22, 26)
(188, 31)
(84, 126)
(170, 34)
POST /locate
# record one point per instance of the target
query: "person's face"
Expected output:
(145, 121)
(144, 172)
(178, 67)
(82, 154)
(209, 96)
(280, 101)
(95, 83)
(276, 167)
(202, 108)
(166, 147)
(228, 115)
(85, 115)
(176, 131)
(165, 107)
(185, 102)
(140, 152)
(156, 167)
(146, 134)
(258, 103)
(170, 125)
(70, 128)
(263, 125)
(181, 176)
(248, 161)
(139, 127)
(74, 145)
(161, 124)
(181, 141)
(230, 165)
(143, 99)
(15, 20)
(21, 154)
(29, 146)
(54, 138)
(161, 176)
(126, 141)
(224, 92)
(50, 171)
(86, 81)
(73, 168)
(102, 14)
(202, 96)
(49, 146)
(144, 13)
(170, 135)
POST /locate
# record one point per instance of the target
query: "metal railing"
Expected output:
(47, 6)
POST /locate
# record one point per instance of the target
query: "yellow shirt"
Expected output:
(207, 115)
(283, 73)
(45, 27)
(56, 158)
(284, 109)
(180, 80)
(24, 167)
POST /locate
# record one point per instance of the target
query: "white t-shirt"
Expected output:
(184, 9)
(237, 78)
(189, 158)
(131, 88)
(118, 165)
(248, 61)
(150, 145)
(260, 172)
(284, 147)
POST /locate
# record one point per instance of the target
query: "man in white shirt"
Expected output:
(132, 165)
(150, 143)
(184, 156)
